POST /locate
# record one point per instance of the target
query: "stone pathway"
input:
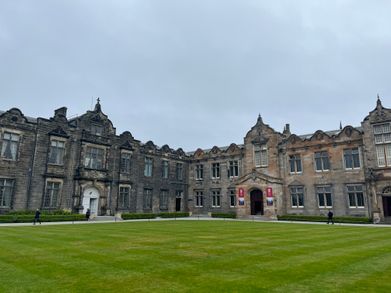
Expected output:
(193, 218)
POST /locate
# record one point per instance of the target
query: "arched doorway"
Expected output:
(90, 200)
(256, 197)
(387, 201)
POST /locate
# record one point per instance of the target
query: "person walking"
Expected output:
(88, 214)
(330, 217)
(37, 217)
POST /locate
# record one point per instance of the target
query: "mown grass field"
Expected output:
(195, 256)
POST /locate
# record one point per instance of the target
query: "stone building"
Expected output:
(80, 163)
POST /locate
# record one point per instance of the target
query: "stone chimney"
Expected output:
(60, 112)
(287, 130)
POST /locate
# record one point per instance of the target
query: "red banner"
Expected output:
(269, 192)
(241, 192)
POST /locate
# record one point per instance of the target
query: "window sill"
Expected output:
(56, 165)
(297, 207)
(295, 173)
(357, 207)
(8, 160)
(93, 169)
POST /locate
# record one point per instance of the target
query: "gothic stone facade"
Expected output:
(81, 163)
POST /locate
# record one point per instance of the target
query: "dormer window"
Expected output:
(260, 156)
(96, 130)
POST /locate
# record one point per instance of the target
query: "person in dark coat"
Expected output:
(37, 217)
(330, 217)
(88, 214)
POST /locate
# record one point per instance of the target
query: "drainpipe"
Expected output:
(31, 171)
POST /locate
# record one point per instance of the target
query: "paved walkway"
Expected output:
(193, 218)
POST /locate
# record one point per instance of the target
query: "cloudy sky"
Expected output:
(197, 73)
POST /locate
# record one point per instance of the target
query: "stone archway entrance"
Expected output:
(387, 206)
(91, 200)
(386, 201)
(256, 198)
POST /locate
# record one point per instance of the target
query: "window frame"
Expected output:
(126, 162)
(293, 158)
(199, 198)
(147, 198)
(59, 152)
(216, 198)
(324, 195)
(179, 171)
(382, 146)
(351, 159)
(96, 129)
(7, 145)
(233, 169)
(94, 160)
(262, 152)
(163, 199)
(355, 191)
(6, 199)
(296, 195)
(55, 193)
(124, 196)
(232, 198)
(215, 171)
(148, 166)
(165, 169)
(199, 172)
(322, 161)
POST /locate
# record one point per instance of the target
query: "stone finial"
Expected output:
(379, 105)
(97, 106)
(340, 125)
(259, 120)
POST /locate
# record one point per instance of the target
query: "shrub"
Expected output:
(173, 215)
(357, 220)
(43, 212)
(223, 215)
(17, 218)
(133, 216)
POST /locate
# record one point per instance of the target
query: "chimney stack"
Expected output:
(61, 112)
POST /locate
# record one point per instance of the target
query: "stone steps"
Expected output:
(103, 218)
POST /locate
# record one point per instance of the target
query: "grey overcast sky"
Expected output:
(197, 73)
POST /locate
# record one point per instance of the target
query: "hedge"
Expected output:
(357, 220)
(43, 212)
(133, 216)
(15, 218)
(173, 215)
(223, 215)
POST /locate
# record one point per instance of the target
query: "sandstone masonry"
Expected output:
(81, 163)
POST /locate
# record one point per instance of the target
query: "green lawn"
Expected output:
(195, 256)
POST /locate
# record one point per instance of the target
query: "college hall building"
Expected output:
(80, 163)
